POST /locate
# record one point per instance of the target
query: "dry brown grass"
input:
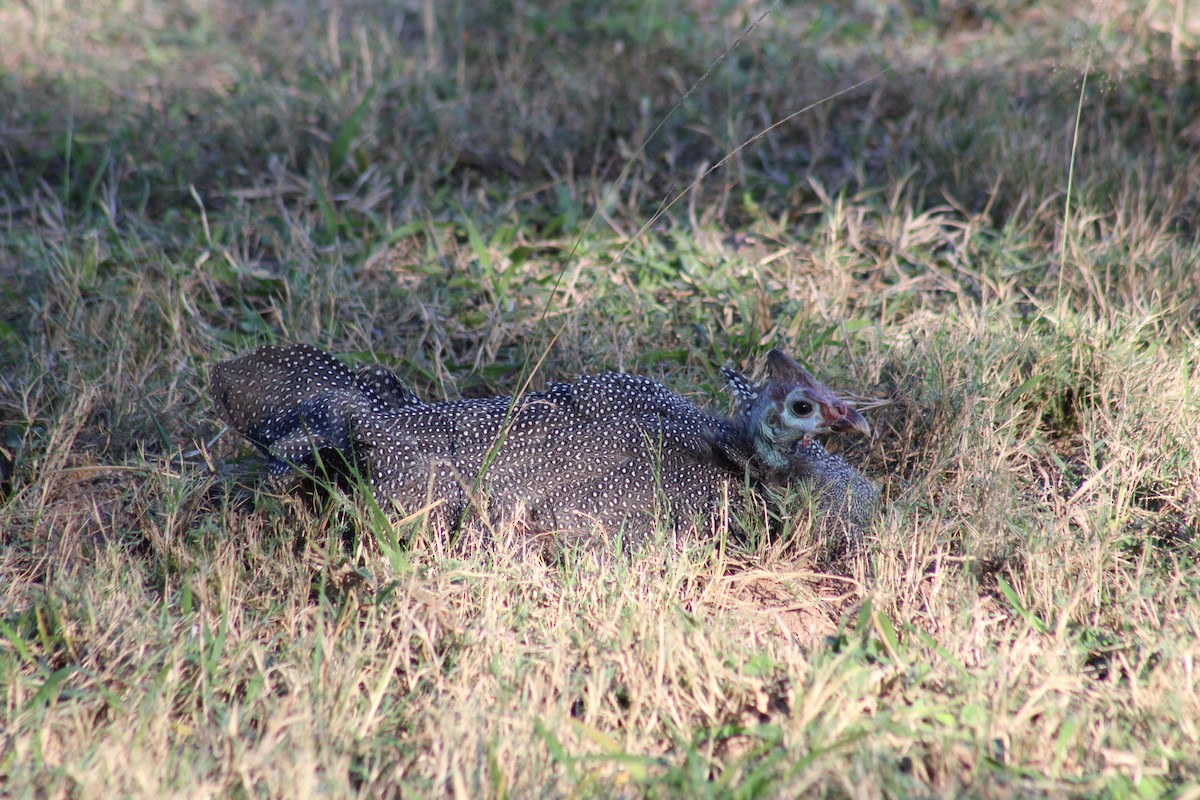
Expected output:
(408, 182)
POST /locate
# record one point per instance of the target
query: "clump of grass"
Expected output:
(413, 185)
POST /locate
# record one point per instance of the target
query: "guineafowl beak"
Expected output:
(841, 418)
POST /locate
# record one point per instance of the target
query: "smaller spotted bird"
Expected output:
(614, 450)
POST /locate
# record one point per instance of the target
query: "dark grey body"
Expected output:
(617, 451)
(843, 500)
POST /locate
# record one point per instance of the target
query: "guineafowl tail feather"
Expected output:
(291, 402)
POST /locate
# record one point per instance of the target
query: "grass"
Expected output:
(413, 183)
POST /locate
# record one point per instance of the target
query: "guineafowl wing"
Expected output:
(387, 390)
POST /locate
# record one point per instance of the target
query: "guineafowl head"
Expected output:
(788, 409)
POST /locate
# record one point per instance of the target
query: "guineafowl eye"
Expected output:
(801, 408)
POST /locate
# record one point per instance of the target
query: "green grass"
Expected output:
(453, 189)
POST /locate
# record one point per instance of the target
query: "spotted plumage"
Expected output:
(844, 501)
(615, 450)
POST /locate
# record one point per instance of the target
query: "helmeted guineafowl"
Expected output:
(615, 450)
